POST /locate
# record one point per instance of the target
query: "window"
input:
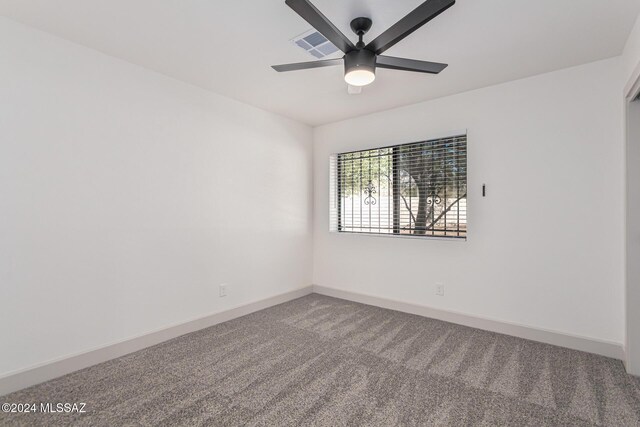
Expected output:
(417, 189)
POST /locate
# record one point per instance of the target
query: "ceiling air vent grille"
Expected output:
(315, 43)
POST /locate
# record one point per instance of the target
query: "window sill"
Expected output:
(403, 236)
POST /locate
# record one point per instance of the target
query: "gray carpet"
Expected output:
(324, 361)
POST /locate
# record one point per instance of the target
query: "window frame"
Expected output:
(396, 192)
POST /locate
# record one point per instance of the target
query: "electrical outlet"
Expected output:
(223, 290)
(440, 289)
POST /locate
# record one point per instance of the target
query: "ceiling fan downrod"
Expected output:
(361, 26)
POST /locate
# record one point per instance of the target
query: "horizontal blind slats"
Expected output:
(417, 189)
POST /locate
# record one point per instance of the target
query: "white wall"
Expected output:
(631, 54)
(127, 197)
(545, 248)
(631, 61)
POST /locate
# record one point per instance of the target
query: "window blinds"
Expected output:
(417, 189)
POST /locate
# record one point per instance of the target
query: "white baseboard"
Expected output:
(590, 345)
(49, 370)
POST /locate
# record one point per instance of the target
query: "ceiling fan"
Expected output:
(360, 60)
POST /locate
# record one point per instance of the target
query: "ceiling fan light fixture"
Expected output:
(359, 77)
(360, 67)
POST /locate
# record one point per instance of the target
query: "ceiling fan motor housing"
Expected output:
(361, 59)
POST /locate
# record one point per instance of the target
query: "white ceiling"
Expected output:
(227, 46)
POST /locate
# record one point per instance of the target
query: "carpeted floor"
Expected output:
(324, 361)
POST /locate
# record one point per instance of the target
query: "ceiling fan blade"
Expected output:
(409, 64)
(407, 25)
(307, 65)
(313, 16)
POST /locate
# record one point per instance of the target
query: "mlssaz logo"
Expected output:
(66, 408)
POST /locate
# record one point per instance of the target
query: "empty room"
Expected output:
(320, 213)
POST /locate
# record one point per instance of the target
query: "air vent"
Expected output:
(315, 44)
